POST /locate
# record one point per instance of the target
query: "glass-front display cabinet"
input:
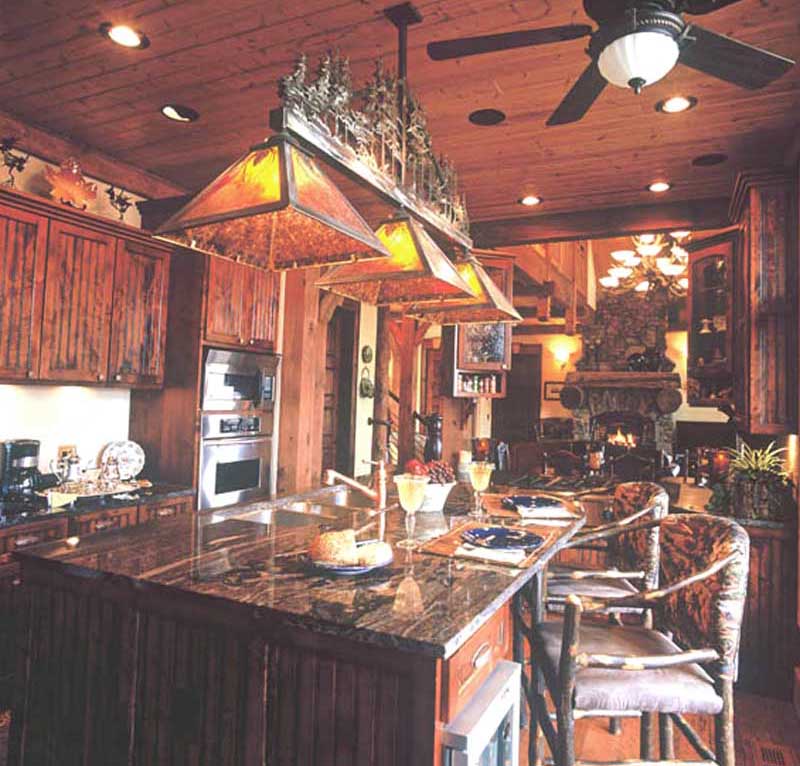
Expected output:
(709, 364)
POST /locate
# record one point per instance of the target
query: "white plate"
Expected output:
(129, 456)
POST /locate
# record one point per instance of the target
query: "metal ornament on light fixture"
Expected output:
(275, 208)
(416, 270)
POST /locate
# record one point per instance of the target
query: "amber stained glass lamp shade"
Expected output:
(275, 208)
(416, 271)
(490, 305)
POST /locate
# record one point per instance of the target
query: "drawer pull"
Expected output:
(161, 512)
(482, 656)
(105, 524)
(16, 582)
(22, 542)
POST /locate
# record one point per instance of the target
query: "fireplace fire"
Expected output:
(620, 439)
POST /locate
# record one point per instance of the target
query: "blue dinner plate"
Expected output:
(502, 538)
(532, 502)
(352, 569)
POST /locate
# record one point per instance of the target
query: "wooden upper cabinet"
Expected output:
(139, 320)
(77, 304)
(765, 304)
(22, 267)
(227, 307)
(264, 297)
(241, 305)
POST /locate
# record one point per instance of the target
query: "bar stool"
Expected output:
(685, 666)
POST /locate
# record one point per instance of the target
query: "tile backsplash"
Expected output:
(86, 417)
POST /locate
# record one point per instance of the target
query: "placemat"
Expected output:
(493, 504)
(449, 543)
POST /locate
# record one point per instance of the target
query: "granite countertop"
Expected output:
(449, 598)
(154, 494)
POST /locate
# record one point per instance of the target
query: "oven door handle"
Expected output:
(221, 441)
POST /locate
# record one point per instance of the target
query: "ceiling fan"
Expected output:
(637, 43)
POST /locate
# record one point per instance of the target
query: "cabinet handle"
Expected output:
(105, 524)
(118, 377)
(252, 341)
(162, 512)
(22, 542)
(29, 373)
(100, 376)
(482, 656)
(16, 582)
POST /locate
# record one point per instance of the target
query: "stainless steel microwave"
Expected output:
(236, 380)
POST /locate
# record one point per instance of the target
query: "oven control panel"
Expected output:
(227, 425)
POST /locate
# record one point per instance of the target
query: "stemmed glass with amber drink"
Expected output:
(411, 492)
(480, 473)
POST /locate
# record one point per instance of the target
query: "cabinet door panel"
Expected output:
(264, 289)
(227, 311)
(139, 319)
(23, 249)
(77, 304)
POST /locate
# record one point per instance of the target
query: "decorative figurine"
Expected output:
(119, 201)
(68, 185)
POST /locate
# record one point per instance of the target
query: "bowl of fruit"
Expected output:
(442, 479)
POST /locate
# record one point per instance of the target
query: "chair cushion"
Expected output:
(680, 689)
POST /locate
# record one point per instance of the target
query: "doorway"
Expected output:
(338, 423)
(515, 418)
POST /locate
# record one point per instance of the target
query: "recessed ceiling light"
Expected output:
(179, 113)
(659, 187)
(530, 200)
(487, 117)
(124, 35)
(709, 160)
(676, 104)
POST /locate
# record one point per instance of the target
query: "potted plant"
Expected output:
(756, 487)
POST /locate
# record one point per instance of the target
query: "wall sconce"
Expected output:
(562, 353)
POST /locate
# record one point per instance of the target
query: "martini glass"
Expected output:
(411, 492)
(479, 475)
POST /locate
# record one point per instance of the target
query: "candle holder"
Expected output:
(15, 163)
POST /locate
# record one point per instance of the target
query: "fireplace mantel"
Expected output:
(605, 379)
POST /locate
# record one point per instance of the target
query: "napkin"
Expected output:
(545, 522)
(513, 556)
(549, 512)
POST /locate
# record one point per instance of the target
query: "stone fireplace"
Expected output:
(610, 390)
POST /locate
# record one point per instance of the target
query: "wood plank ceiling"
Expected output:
(224, 58)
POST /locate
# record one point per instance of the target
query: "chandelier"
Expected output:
(656, 261)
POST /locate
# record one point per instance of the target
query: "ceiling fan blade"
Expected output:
(698, 7)
(471, 46)
(731, 60)
(580, 97)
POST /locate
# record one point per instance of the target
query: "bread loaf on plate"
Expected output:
(335, 547)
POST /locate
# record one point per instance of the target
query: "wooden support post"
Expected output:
(300, 458)
(380, 410)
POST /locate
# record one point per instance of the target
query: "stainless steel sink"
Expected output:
(279, 516)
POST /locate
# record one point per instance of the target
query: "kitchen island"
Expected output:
(212, 640)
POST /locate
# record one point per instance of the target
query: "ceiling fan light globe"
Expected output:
(638, 59)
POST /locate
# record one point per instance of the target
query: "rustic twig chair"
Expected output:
(632, 557)
(686, 666)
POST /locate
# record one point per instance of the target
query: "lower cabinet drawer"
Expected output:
(24, 535)
(472, 664)
(165, 509)
(98, 521)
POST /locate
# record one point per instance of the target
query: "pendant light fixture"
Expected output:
(275, 208)
(489, 305)
(416, 271)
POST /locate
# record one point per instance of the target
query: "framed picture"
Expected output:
(552, 390)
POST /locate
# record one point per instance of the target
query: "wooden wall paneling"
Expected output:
(139, 319)
(166, 421)
(77, 304)
(22, 269)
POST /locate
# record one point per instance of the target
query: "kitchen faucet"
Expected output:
(376, 493)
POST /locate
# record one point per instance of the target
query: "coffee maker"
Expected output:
(20, 469)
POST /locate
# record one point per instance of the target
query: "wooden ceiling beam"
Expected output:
(698, 214)
(54, 148)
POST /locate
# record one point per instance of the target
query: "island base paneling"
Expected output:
(108, 673)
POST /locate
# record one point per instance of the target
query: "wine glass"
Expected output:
(480, 473)
(411, 491)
